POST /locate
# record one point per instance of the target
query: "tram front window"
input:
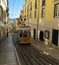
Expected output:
(21, 34)
(25, 33)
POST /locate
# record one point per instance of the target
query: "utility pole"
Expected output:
(38, 20)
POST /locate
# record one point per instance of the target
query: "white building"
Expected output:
(3, 8)
(3, 18)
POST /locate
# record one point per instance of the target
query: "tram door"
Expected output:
(41, 35)
(55, 37)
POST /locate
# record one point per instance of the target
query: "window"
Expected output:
(47, 34)
(28, 8)
(25, 33)
(34, 14)
(30, 15)
(43, 12)
(56, 10)
(31, 6)
(43, 2)
(27, 15)
(20, 33)
(35, 4)
(0, 1)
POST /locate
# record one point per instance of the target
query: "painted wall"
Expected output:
(49, 10)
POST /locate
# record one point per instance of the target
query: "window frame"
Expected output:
(43, 13)
(56, 10)
(30, 6)
(35, 4)
(30, 14)
(43, 2)
(35, 14)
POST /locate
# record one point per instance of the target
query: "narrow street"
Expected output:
(29, 55)
(29, 32)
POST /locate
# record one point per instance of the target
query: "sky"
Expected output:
(15, 6)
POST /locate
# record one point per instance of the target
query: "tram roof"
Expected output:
(24, 28)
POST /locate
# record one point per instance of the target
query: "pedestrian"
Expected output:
(7, 33)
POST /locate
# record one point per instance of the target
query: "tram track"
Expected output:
(32, 58)
(46, 59)
(21, 55)
(29, 55)
(25, 57)
(40, 60)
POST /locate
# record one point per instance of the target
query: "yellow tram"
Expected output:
(24, 34)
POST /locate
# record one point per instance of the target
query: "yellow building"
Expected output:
(43, 15)
(16, 25)
(30, 8)
(49, 20)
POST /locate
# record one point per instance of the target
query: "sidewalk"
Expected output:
(47, 49)
(7, 54)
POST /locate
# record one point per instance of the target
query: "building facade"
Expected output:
(3, 18)
(43, 15)
(49, 20)
(3, 8)
(31, 9)
(16, 24)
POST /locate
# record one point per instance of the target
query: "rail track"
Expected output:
(29, 55)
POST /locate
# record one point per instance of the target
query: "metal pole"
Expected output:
(38, 20)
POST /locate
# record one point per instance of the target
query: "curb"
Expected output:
(17, 56)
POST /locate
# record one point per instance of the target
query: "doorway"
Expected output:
(55, 37)
(41, 35)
